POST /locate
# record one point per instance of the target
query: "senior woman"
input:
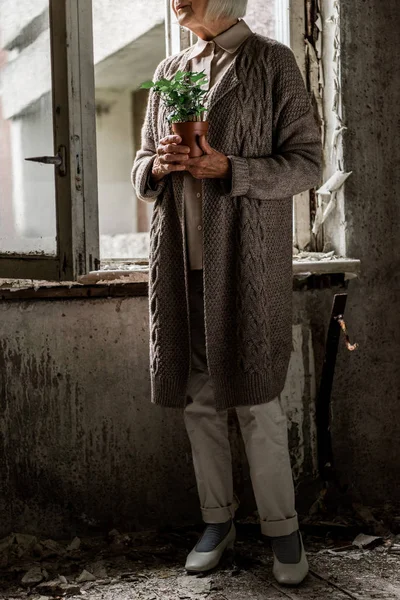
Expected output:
(221, 268)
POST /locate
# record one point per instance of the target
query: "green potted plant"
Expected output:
(183, 97)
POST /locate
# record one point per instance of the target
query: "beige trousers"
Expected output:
(264, 431)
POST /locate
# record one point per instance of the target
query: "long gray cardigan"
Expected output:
(260, 116)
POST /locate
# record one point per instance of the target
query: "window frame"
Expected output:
(302, 226)
(176, 38)
(74, 129)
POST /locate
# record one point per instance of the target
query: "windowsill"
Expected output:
(130, 279)
(308, 266)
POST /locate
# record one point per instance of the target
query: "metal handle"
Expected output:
(59, 160)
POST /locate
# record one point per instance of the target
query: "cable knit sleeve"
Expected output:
(144, 159)
(295, 164)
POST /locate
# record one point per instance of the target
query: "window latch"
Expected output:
(59, 160)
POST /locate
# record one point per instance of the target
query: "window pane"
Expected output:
(270, 19)
(27, 190)
(129, 43)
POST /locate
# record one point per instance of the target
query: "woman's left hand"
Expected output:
(212, 165)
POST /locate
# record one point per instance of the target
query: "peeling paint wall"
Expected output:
(330, 223)
(323, 60)
(82, 448)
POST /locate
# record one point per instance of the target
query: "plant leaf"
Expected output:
(182, 95)
(198, 76)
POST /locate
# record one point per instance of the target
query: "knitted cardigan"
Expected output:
(260, 116)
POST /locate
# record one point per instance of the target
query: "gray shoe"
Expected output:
(199, 560)
(289, 573)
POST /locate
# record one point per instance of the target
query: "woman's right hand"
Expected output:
(171, 156)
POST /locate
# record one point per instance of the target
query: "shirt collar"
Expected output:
(229, 40)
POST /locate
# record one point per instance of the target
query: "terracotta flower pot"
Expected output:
(190, 132)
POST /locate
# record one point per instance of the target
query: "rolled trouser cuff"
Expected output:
(279, 528)
(218, 515)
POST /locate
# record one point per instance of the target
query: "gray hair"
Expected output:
(227, 9)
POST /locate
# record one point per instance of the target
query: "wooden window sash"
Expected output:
(74, 126)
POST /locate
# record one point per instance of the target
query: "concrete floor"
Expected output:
(148, 566)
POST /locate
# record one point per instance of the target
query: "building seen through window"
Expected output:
(27, 190)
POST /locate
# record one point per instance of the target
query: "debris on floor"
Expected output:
(313, 256)
(149, 566)
(395, 545)
(367, 541)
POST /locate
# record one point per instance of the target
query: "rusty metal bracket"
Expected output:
(349, 346)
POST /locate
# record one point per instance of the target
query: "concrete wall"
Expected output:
(27, 77)
(366, 395)
(82, 448)
(29, 195)
(34, 184)
(261, 17)
(6, 205)
(115, 24)
(115, 154)
(79, 441)
(17, 16)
